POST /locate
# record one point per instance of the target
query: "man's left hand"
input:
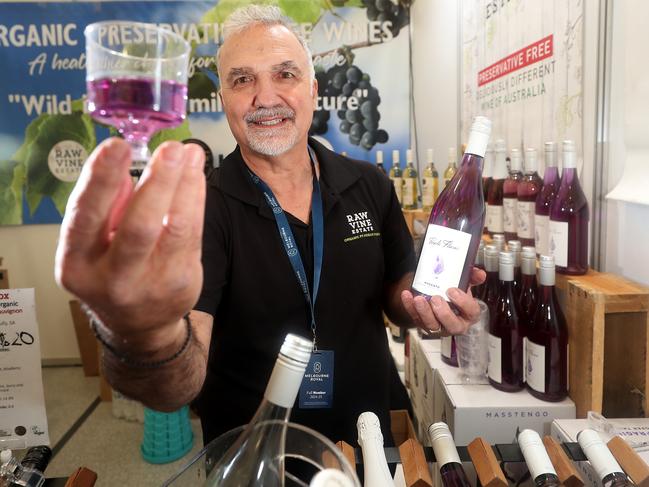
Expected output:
(436, 314)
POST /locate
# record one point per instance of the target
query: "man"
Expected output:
(134, 256)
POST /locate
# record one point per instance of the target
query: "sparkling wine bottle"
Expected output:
(446, 456)
(528, 190)
(510, 196)
(495, 212)
(429, 183)
(487, 173)
(545, 198)
(455, 223)
(451, 169)
(529, 291)
(538, 462)
(602, 460)
(379, 161)
(370, 439)
(492, 282)
(505, 368)
(515, 248)
(479, 263)
(547, 340)
(396, 176)
(256, 457)
(410, 193)
(568, 228)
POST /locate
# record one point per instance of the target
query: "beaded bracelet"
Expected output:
(95, 323)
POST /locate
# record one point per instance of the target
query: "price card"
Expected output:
(23, 422)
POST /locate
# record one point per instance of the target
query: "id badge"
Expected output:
(317, 388)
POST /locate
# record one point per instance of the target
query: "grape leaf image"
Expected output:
(12, 175)
(41, 135)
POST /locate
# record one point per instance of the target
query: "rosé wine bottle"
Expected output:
(487, 171)
(528, 190)
(551, 182)
(495, 217)
(510, 195)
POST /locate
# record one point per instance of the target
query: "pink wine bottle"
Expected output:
(510, 195)
(495, 213)
(487, 171)
(505, 367)
(547, 341)
(529, 291)
(446, 456)
(568, 226)
(515, 247)
(455, 223)
(479, 263)
(551, 181)
(528, 190)
(492, 282)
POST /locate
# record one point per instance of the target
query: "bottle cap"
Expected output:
(506, 258)
(479, 136)
(500, 166)
(499, 241)
(451, 154)
(297, 349)
(395, 156)
(506, 267)
(528, 251)
(569, 155)
(331, 477)
(5, 456)
(429, 156)
(546, 270)
(481, 124)
(515, 245)
(369, 427)
(536, 457)
(515, 160)
(443, 444)
(550, 154)
(531, 164)
(491, 258)
(597, 452)
(379, 157)
(409, 156)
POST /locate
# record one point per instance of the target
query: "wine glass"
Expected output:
(136, 81)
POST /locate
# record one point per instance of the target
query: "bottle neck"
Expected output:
(569, 176)
(268, 411)
(550, 175)
(500, 166)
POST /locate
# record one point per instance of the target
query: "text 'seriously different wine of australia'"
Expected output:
(455, 223)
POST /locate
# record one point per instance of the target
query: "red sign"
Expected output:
(531, 54)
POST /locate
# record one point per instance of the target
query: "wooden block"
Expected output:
(486, 464)
(634, 466)
(82, 477)
(348, 452)
(85, 339)
(568, 474)
(415, 468)
(402, 427)
(4, 279)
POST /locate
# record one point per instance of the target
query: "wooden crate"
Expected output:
(608, 322)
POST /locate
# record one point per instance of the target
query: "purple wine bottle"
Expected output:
(495, 212)
(547, 341)
(551, 181)
(569, 215)
(487, 171)
(529, 288)
(510, 196)
(446, 456)
(505, 368)
(455, 223)
(492, 282)
(515, 248)
(479, 263)
(528, 190)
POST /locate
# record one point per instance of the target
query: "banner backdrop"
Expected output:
(360, 50)
(522, 68)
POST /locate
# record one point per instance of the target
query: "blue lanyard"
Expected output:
(288, 239)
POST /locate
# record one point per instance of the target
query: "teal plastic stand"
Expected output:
(167, 436)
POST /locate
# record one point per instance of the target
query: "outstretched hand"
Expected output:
(132, 254)
(436, 314)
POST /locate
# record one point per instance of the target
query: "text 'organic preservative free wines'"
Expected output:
(455, 223)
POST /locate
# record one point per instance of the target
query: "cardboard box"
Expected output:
(481, 410)
(633, 430)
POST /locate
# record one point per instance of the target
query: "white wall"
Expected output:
(435, 49)
(28, 255)
(627, 234)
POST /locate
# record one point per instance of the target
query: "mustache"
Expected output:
(262, 113)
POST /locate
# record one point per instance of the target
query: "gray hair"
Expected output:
(268, 15)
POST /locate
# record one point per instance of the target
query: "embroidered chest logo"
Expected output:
(361, 226)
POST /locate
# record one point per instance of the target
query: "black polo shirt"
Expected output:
(252, 293)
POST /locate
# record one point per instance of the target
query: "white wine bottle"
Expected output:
(537, 459)
(429, 183)
(601, 459)
(370, 439)
(396, 176)
(410, 193)
(256, 457)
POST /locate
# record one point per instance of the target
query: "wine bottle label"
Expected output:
(541, 234)
(558, 242)
(408, 196)
(494, 367)
(398, 188)
(442, 260)
(509, 215)
(524, 359)
(495, 218)
(535, 366)
(526, 219)
(428, 191)
(446, 345)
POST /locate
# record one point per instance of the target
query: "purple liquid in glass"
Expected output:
(137, 107)
(570, 205)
